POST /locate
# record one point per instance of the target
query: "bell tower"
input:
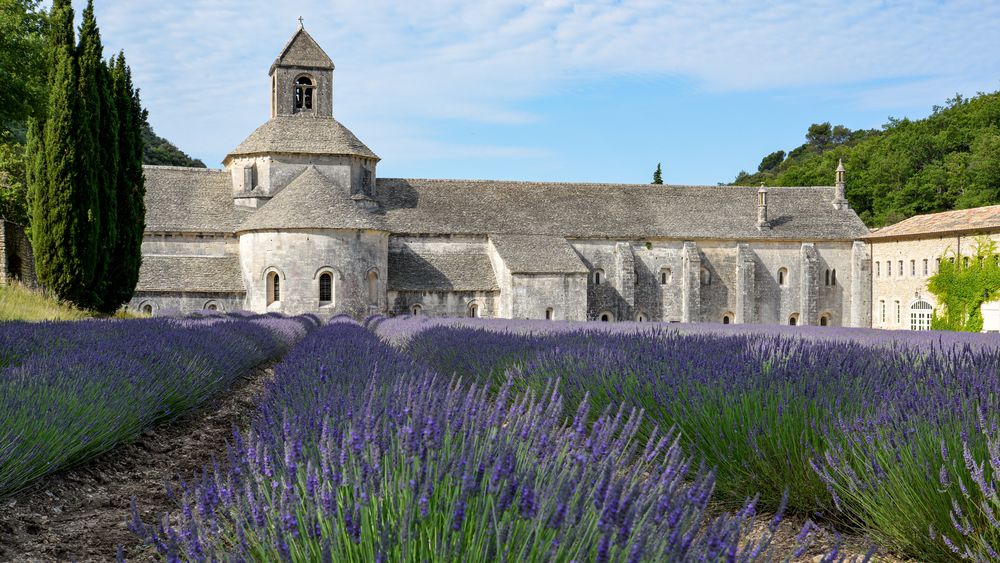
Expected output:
(302, 79)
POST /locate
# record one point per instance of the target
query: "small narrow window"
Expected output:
(147, 309)
(925, 266)
(965, 262)
(273, 288)
(913, 268)
(415, 309)
(641, 318)
(900, 268)
(828, 277)
(878, 269)
(824, 320)
(548, 314)
(888, 268)
(782, 276)
(325, 287)
(833, 277)
(373, 287)
(473, 310)
(665, 276)
(793, 320)
(726, 320)
(598, 277)
(881, 304)
(898, 312)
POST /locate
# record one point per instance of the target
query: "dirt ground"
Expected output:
(80, 515)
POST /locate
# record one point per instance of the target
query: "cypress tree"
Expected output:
(126, 253)
(658, 174)
(99, 138)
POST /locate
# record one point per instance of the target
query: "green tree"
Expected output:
(658, 174)
(771, 161)
(22, 48)
(819, 134)
(126, 254)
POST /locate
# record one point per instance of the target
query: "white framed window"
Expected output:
(920, 315)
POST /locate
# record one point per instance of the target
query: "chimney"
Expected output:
(762, 209)
(839, 199)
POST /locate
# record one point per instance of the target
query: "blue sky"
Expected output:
(553, 90)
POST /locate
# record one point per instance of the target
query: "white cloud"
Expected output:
(202, 65)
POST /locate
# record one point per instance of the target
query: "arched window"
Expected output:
(325, 287)
(303, 93)
(726, 319)
(920, 315)
(146, 308)
(415, 309)
(833, 277)
(273, 288)
(782, 277)
(793, 319)
(706, 276)
(373, 287)
(665, 276)
(598, 277)
(641, 317)
(824, 319)
(473, 310)
(212, 306)
(828, 276)
(549, 314)
(606, 317)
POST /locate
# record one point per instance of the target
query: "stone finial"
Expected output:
(839, 197)
(762, 222)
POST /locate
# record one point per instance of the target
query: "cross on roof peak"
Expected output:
(301, 25)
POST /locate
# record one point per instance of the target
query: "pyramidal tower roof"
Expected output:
(303, 51)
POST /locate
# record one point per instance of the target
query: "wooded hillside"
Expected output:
(949, 160)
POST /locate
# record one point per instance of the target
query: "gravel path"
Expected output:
(81, 514)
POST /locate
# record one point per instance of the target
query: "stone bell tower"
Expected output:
(302, 79)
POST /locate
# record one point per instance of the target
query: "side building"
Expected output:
(298, 221)
(905, 256)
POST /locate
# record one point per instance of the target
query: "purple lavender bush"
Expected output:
(870, 435)
(361, 454)
(72, 390)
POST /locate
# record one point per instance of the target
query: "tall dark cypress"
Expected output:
(130, 187)
(99, 139)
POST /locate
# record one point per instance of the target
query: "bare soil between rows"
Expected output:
(81, 514)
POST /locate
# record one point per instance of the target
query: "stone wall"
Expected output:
(443, 303)
(299, 257)
(17, 261)
(186, 302)
(896, 292)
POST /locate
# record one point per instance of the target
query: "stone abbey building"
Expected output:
(299, 221)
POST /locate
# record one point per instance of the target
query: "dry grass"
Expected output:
(18, 303)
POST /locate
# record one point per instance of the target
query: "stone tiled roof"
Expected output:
(960, 220)
(312, 201)
(302, 134)
(190, 200)
(612, 210)
(442, 271)
(538, 254)
(207, 274)
(302, 50)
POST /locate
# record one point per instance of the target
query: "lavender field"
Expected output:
(410, 439)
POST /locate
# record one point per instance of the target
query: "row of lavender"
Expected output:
(398, 330)
(887, 438)
(72, 390)
(360, 454)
